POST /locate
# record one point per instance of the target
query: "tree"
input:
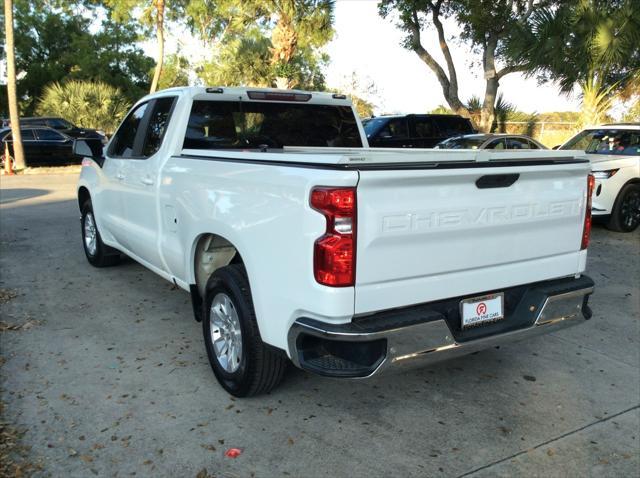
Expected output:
(87, 104)
(153, 15)
(159, 21)
(299, 25)
(14, 113)
(57, 44)
(360, 91)
(175, 72)
(263, 43)
(488, 26)
(589, 43)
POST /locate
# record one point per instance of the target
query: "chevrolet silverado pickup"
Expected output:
(299, 243)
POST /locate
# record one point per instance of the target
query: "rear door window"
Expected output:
(49, 135)
(517, 143)
(423, 128)
(255, 124)
(158, 123)
(496, 144)
(394, 129)
(122, 145)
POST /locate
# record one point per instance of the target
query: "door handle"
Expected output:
(147, 181)
(119, 176)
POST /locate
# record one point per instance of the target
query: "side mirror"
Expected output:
(88, 148)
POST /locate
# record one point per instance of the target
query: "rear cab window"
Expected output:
(269, 124)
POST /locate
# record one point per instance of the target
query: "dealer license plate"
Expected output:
(480, 310)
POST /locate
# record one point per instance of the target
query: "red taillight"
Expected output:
(586, 230)
(334, 255)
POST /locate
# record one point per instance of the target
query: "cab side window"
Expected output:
(496, 144)
(158, 123)
(26, 134)
(49, 135)
(394, 129)
(424, 128)
(517, 143)
(123, 141)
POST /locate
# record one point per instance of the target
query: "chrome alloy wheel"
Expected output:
(226, 335)
(90, 234)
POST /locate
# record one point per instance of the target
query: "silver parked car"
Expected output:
(490, 141)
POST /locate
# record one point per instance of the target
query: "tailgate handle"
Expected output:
(496, 181)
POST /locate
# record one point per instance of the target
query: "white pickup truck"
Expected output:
(299, 243)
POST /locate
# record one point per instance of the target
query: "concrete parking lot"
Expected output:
(105, 372)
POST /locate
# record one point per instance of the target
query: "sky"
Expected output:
(369, 47)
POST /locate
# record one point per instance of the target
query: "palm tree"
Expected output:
(88, 104)
(299, 24)
(14, 114)
(589, 43)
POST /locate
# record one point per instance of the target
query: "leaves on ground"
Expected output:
(7, 294)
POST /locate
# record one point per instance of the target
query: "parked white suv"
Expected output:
(614, 152)
(298, 243)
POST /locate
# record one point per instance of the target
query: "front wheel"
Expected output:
(241, 362)
(625, 216)
(98, 253)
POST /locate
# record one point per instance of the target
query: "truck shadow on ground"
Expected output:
(8, 196)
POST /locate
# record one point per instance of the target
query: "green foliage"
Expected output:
(441, 110)
(240, 61)
(580, 40)
(175, 72)
(87, 104)
(597, 100)
(632, 115)
(263, 43)
(488, 27)
(54, 43)
(359, 90)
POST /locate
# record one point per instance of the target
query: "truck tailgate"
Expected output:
(453, 230)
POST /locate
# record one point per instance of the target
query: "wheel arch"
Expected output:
(210, 252)
(83, 196)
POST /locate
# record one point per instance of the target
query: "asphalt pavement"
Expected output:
(104, 372)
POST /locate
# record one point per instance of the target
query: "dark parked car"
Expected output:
(43, 146)
(490, 141)
(63, 126)
(414, 131)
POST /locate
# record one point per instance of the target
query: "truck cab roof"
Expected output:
(223, 93)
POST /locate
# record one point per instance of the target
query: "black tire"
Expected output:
(103, 256)
(625, 216)
(259, 368)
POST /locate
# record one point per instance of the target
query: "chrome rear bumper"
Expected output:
(423, 335)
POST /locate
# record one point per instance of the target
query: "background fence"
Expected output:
(549, 133)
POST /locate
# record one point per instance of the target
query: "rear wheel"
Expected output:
(98, 254)
(241, 362)
(625, 216)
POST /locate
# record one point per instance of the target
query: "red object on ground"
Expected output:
(233, 452)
